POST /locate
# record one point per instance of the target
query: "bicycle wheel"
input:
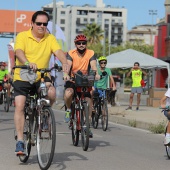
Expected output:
(167, 147)
(6, 102)
(27, 142)
(74, 128)
(95, 117)
(46, 138)
(85, 127)
(104, 116)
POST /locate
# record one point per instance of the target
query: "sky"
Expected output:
(137, 12)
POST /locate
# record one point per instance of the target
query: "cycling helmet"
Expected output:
(102, 58)
(80, 37)
(3, 64)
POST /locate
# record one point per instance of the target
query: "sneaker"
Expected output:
(137, 108)
(67, 116)
(129, 108)
(90, 133)
(167, 140)
(19, 148)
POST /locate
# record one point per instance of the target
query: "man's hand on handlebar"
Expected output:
(33, 66)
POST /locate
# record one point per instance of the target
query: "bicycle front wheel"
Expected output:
(85, 127)
(104, 120)
(167, 147)
(6, 102)
(46, 138)
(95, 117)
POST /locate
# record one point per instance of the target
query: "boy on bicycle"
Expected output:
(103, 83)
(165, 102)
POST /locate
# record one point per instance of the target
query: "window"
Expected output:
(62, 12)
(63, 29)
(92, 20)
(62, 21)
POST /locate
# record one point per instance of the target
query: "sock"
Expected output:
(68, 110)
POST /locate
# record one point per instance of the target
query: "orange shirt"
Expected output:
(81, 63)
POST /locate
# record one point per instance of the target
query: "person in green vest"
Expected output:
(136, 73)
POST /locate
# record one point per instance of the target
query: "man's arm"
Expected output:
(93, 65)
(62, 57)
(162, 102)
(144, 72)
(128, 74)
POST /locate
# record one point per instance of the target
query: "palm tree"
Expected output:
(94, 33)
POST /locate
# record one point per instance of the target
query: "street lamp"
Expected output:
(152, 12)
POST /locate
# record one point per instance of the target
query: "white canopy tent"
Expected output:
(126, 59)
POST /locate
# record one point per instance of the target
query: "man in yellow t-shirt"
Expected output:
(136, 72)
(34, 48)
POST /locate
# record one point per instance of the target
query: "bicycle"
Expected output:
(167, 147)
(110, 95)
(100, 109)
(4, 95)
(79, 122)
(39, 127)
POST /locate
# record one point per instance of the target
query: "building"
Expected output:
(143, 33)
(73, 19)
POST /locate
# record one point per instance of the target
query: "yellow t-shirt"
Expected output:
(136, 78)
(35, 52)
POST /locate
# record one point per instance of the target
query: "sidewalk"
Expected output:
(143, 118)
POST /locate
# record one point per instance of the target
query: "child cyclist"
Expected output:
(165, 103)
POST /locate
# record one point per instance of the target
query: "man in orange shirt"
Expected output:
(82, 59)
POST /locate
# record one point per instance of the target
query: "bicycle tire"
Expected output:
(104, 116)
(85, 126)
(46, 133)
(27, 142)
(6, 102)
(74, 128)
(95, 117)
(167, 147)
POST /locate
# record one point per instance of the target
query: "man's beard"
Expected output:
(81, 51)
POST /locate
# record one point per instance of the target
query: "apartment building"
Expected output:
(73, 19)
(143, 33)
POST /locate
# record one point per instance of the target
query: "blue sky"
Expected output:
(138, 12)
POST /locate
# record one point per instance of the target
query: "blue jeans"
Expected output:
(101, 92)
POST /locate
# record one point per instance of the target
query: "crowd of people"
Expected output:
(35, 47)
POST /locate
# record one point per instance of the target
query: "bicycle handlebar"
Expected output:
(42, 70)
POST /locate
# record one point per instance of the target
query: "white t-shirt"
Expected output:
(167, 94)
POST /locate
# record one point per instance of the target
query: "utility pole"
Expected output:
(152, 12)
(54, 18)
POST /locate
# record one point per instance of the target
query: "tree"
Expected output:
(94, 33)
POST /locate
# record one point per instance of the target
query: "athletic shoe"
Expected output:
(137, 108)
(67, 116)
(167, 140)
(19, 148)
(129, 108)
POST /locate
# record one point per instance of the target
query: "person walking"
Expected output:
(136, 73)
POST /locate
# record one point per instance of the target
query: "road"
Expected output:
(119, 148)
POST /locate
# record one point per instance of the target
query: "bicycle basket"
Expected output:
(84, 80)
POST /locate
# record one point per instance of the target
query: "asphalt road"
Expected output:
(119, 148)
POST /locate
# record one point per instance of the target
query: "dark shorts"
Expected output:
(70, 84)
(167, 114)
(24, 88)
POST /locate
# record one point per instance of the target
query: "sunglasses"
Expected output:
(41, 23)
(83, 43)
(103, 63)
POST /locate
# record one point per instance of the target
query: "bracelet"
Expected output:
(26, 63)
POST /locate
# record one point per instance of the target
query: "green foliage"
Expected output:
(158, 128)
(132, 123)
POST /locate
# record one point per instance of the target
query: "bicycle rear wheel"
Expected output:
(46, 138)
(85, 127)
(95, 117)
(104, 110)
(167, 147)
(27, 142)
(74, 128)
(6, 102)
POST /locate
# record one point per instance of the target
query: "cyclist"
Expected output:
(4, 74)
(34, 48)
(165, 101)
(103, 83)
(80, 58)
